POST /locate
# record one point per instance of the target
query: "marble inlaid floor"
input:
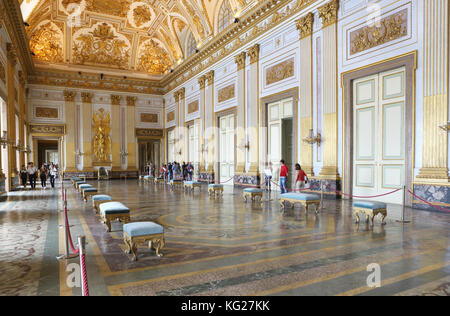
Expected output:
(219, 247)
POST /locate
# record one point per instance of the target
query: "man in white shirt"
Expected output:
(32, 174)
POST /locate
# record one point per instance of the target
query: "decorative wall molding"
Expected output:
(148, 132)
(47, 130)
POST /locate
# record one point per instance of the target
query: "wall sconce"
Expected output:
(79, 153)
(4, 140)
(204, 149)
(28, 150)
(179, 152)
(244, 145)
(445, 127)
(311, 139)
(123, 154)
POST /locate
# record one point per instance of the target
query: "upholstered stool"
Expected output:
(123, 175)
(83, 186)
(75, 179)
(110, 211)
(79, 182)
(159, 180)
(87, 192)
(191, 185)
(82, 176)
(305, 199)
(173, 183)
(147, 178)
(370, 209)
(96, 199)
(140, 233)
(215, 189)
(252, 193)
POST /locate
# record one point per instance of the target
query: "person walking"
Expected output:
(43, 175)
(268, 176)
(190, 171)
(300, 178)
(23, 176)
(53, 172)
(284, 172)
(32, 175)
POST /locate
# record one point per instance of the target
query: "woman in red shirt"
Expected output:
(300, 177)
(284, 172)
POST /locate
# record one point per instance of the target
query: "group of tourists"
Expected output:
(300, 177)
(31, 173)
(175, 171)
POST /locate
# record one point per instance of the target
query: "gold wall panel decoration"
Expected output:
(171, 116)
(390, 28)
(329, 13)
(226, 93)
(44, 112)
(46, 43)
(154, 59)
(193, 107)
(101, 144)
(101, 47)
(149, 118)
(142, 15)
(47, 130)
(147, 132)
(280, 71)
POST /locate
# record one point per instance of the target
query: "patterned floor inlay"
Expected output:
(220, 247)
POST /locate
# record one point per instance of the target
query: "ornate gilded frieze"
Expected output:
(149, 118)
(69, 96)
(329, 13)
(115, 99)
(101, 144)
(171, 116)
(147, 132)
(280, 71)
(47, 43)
(388, 29)
(47, 130)
(101, 46)
(193, 107)
(240, 60)
(226, 93)
(305, 25)
(44, 112)
(253, 53)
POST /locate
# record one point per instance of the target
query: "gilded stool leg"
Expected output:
(108, 225)
(127, 243)
(356, 215)
(134, 250)
(160, 246)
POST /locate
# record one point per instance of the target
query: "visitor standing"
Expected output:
(268, 176)
(300, 177)
(43, 176)
(24, 176)
(53, 172)
(284, 172)
(32, 174)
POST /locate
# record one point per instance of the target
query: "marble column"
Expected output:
(240, 60)
(87, 132)
(115, 133)
(11, 114)
(180, 134)
(435, 91)
(305, 27)
(254, 111)
(131, 134)
(21, 92)
(201, 138)
(210, 124)
(328, 14)
(69, 98)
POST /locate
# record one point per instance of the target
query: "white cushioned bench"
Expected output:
(215, 189)
(96, 199)
(370, 209)
(141, 232)
(305, 199)
(252, 193)
(192, 185)
(112, 210)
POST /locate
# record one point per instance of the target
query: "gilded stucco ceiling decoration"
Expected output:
(111, 34)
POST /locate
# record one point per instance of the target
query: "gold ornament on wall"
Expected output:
(46, 44)
(226, 93)
(44, 112)
(154, 59)
(102, 140)
(280, 71)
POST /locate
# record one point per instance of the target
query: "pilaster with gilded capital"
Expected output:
(69, 96)
(253, 53)
(329, 13)
(305, 25)
(240, 60)
(86, 97)
(115, 99)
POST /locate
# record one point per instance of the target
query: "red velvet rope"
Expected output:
(295, 190)
(84, 274)
(426, 202)
(362, 197)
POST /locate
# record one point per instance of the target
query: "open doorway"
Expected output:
(149, 152)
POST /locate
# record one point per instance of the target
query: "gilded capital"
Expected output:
(202, 82)
(253, 53)
(22, 80)
(86, 97)
(115, 99)
(240, 60)
(69, 96)
(210, 77)
(176, 96)
(11, 53)
(131, 101)
(305, 25)
(329, 13)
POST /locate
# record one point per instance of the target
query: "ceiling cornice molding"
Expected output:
(12, 17)
(256, 15)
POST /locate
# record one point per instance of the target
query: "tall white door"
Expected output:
(279, 114)
(227, 148)
(379, 135)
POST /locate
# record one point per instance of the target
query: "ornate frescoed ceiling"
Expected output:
(144, 37)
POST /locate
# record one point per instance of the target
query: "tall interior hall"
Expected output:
(224, 147)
